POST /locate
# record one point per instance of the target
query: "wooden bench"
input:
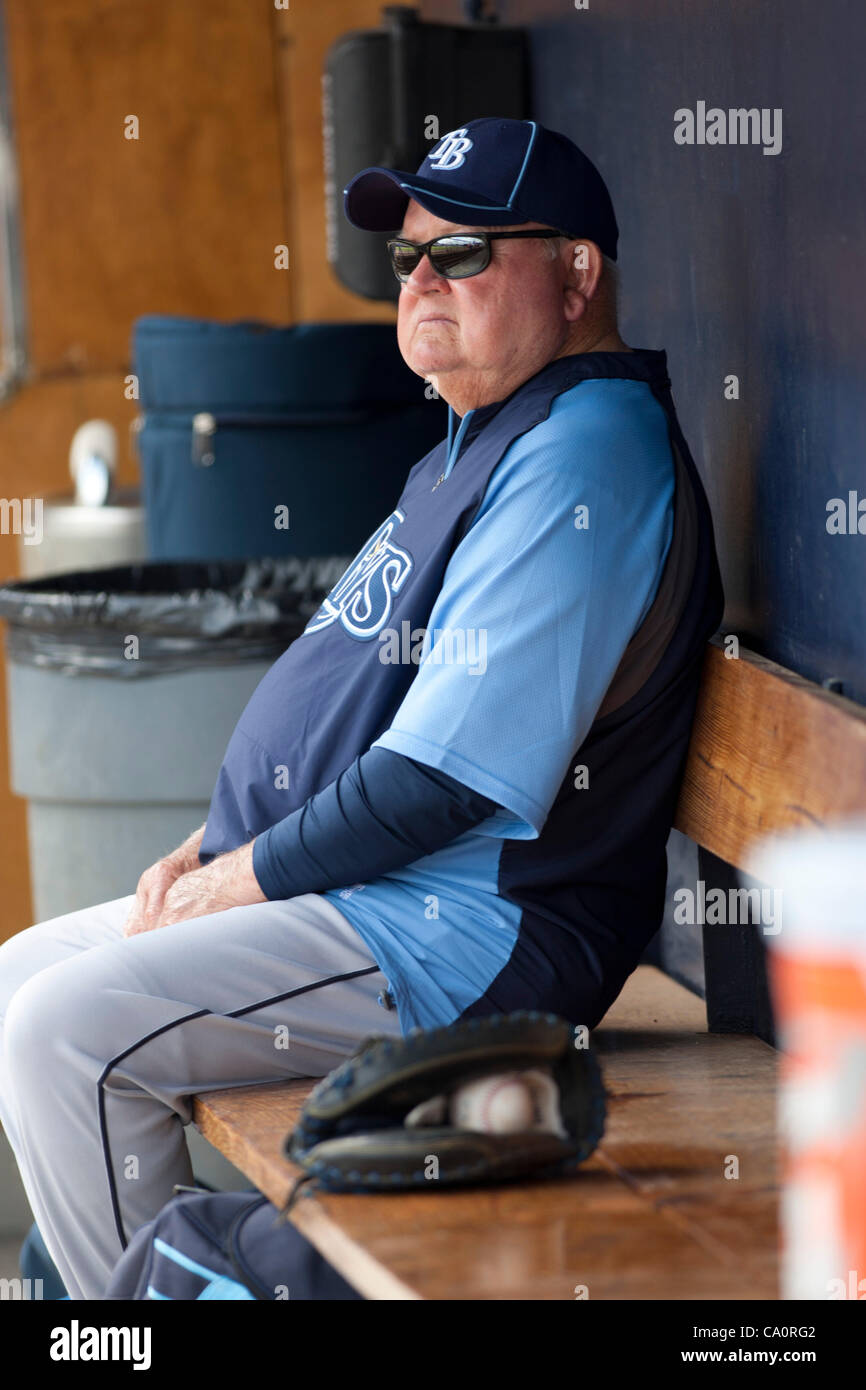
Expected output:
(651, 1214)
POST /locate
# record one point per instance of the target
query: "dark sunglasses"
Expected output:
(455, 256)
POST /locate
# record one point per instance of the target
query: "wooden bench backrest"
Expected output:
(769, 752)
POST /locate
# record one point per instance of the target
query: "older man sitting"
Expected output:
(402, 843)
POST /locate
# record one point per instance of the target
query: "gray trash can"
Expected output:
(124, 686)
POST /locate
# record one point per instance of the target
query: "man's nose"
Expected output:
(424, 278)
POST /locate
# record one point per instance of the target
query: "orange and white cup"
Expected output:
(817, 965)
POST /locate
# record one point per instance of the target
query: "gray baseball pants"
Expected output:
(106, 1039)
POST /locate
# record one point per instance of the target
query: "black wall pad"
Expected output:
(388, 96)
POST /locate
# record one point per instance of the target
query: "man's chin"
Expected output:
(432, 363)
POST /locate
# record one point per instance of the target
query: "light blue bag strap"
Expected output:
(218, 1287)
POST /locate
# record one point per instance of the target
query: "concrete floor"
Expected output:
(15, 1217)
(9, 1257)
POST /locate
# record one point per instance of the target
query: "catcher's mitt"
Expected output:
(424, 1110)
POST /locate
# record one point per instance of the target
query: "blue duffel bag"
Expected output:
(224, 1246)
(256, 440)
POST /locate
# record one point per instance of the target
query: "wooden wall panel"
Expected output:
(182, 220)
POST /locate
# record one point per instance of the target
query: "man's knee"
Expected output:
(41, 1019)
(19, 959)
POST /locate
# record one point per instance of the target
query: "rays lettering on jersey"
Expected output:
(362, 600)
(452, 151)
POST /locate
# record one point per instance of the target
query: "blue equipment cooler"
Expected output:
(260, 441)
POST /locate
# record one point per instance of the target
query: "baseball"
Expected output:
(494, 1105)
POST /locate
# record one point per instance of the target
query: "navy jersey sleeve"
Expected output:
(383, 812)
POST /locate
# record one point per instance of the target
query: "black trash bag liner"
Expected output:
(185, 614)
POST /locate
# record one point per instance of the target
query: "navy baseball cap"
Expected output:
(492, 172)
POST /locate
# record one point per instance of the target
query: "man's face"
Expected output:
(504, 323)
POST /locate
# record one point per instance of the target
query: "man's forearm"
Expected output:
(383, 812)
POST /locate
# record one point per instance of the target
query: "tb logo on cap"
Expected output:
(451, 153)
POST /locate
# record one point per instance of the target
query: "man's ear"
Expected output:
(583, 262)
(585, 266)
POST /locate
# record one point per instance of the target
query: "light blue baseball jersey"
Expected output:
(540, 598)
